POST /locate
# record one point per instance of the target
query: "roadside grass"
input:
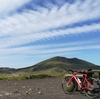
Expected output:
(23, 77)
(38, 74)
(96, 75)
(31, 75)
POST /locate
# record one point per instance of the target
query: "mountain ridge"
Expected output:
(62, 63)
(53, 65)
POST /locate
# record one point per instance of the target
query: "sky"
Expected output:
(35, 30)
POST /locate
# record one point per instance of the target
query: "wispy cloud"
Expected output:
(44, 19)
(24, 23)
(32, 37)
(9, 6)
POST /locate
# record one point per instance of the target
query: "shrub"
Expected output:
(39, 76)
(24, 77)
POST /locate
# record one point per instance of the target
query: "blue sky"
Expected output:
(34, 30)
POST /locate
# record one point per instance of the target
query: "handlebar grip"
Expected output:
(70, 70)
(89, 70)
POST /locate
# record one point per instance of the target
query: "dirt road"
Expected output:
(47, 88)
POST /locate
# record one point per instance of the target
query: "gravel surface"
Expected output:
(47, 88)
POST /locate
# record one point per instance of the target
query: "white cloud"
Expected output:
(36, 21)
(7, 6)
(32, 37)
(46, 22)
(52, 48)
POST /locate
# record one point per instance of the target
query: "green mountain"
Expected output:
(57, 65)
(53, 66)
(6, 70)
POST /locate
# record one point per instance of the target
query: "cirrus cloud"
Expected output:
(33, 27)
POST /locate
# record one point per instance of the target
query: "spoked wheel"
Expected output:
(94, 89)
(68, 88)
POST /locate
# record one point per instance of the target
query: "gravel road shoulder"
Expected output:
(47, 88)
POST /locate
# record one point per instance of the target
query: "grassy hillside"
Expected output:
(6, 70)
(57, 66)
